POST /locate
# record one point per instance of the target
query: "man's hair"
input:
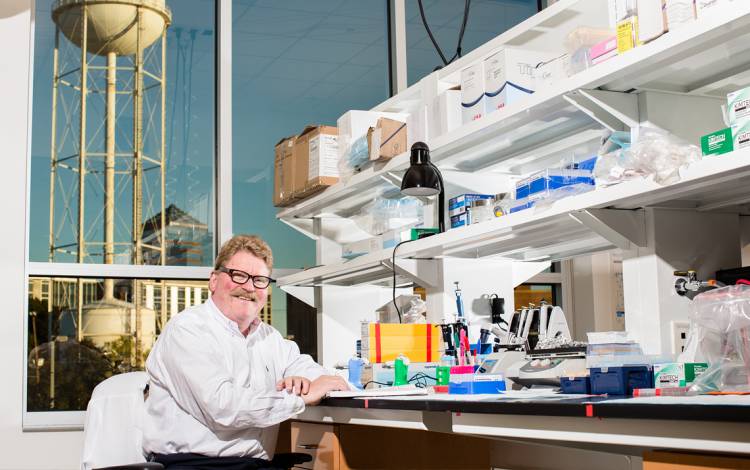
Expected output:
(250, 243)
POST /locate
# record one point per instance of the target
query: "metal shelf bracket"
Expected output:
(623, 228)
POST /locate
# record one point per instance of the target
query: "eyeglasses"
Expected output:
(241, 277)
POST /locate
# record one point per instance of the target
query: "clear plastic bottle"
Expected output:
(481, 210)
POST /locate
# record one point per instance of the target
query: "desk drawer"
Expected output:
(320, 441)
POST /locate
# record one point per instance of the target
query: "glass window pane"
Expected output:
(85, 330)
(526, 294)
(123, 141)
(293, 64)
(487, 19)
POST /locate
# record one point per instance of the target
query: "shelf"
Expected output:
(586, 223)
(708, 57)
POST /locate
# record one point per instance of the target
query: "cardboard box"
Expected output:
(354, 124)
(551, 72)
(738, 106)
(283, 180)
(717, 143)
(383, 342)
(676, 374)
(472, 92)
(447, 115)
(509, 76)
(704, 8)
(315, 160)
(652, 20)
(679, 13)
(741, 135)
(387, 139)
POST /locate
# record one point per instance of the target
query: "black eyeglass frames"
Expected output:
(241, 277)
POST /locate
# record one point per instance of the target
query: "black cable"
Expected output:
(467, 5)
(429, 33)
(393, 268)
(379, 383)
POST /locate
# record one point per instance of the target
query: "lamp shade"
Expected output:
(422, 178)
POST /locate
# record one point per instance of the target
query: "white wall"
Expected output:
(20, 450)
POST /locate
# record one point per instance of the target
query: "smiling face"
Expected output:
(240, 303)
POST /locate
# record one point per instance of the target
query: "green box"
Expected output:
(717, 142)
(677, 374)
(417, 233)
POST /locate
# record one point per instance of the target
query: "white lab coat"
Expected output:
(213, 390)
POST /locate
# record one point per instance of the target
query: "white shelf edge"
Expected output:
(724, 167)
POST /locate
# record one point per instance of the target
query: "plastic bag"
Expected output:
(384, 214)
(417, 312)
(662, 154)
(656, 153)
(356, 157)
(720, 336)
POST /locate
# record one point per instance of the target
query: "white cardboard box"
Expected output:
(707, 7)
(652, 20)
(509, 76)
(447, 115)
(354, 124)
(472, 92)
(679, 13)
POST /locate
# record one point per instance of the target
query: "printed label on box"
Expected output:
(323, 156)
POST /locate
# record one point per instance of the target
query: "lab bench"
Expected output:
(620, 425)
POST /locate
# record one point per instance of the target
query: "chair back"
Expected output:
(112, 433)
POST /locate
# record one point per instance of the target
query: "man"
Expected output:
(220, 379)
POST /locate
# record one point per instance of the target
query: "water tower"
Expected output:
(108, 139)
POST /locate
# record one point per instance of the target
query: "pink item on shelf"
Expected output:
(602, 48)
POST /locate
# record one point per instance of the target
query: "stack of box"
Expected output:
(315, 158)
(382, 342)
(459, 208)
(283, 172)
(472, 92)
(509, 76)
(739, 117)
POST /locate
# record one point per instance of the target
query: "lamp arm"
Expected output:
(441, 199)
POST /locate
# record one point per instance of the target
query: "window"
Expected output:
(122, 223)
(487, 19)
(294, 64)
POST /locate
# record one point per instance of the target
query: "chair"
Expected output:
(112, 432)
(113, 437)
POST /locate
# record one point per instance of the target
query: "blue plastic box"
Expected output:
(620, 380)
(521, 205)
(575, 385)
(487, 386)
(540, 184)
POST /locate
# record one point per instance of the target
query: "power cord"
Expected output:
(467, 6)
(393, 268)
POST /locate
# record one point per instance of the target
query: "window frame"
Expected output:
(222, 178)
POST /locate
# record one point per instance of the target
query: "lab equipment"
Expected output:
(577, 385)
(459, 302)
(620, 380)
(688, 284)
(544, 368)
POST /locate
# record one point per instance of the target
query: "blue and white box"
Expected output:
(461, 203)
(540, 184)
(509, 76)
(460, 220)
(472, 92)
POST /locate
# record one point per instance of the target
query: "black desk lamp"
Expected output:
(424, 179)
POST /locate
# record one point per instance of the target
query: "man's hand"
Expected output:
(322, 385)
(294, 384)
